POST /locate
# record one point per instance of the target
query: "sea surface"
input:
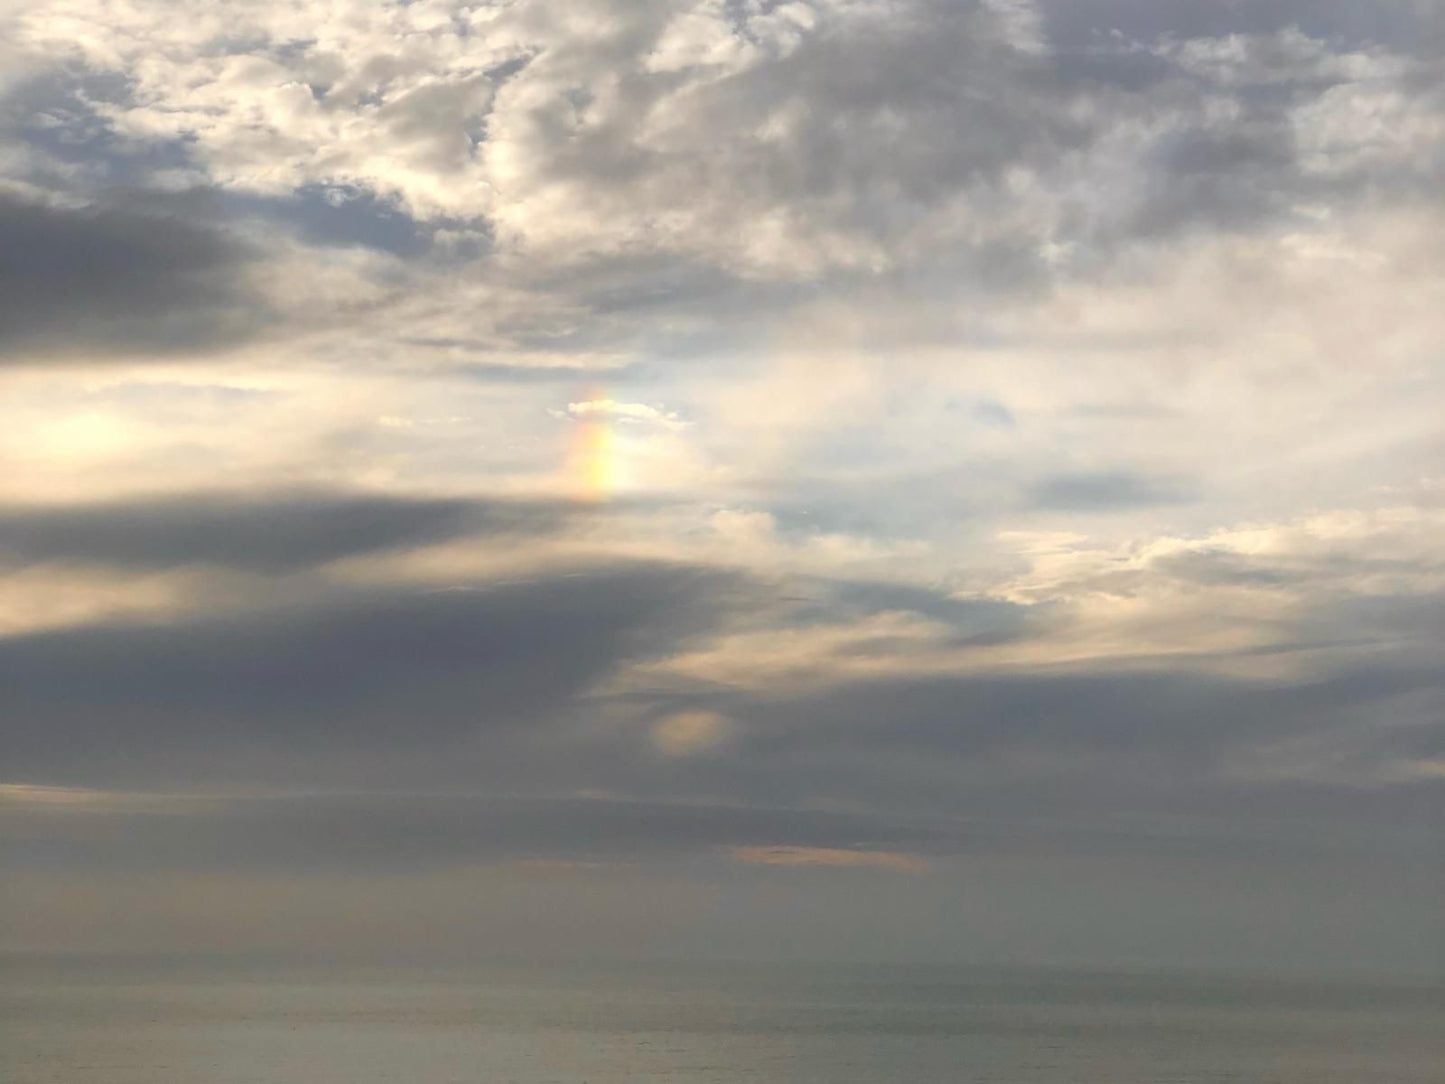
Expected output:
(127, 1024)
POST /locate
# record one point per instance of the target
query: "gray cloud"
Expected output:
(1108, 491)
(419, 672)
(379, 832)
(1405, 24)
(975, 620)
(1175, 724)
(367, 833)
(505, 684)
(106, 280)
(272, 532)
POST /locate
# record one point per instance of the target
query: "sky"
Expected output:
(953, 480)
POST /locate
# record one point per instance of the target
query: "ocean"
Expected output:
(117, 1023)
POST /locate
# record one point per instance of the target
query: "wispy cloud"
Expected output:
(836, 857)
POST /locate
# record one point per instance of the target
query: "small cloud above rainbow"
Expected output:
(625, 413)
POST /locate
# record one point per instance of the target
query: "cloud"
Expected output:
(574, 186)
(334, 217)
(376, 671)
(20, 795)
(892, 861)
(1027, 410)
(627, 413)
(1324, 556)
(1107, 491)
(689, 732)
(258, 532)
(105, 280)
(373, 832)
(1180, 725)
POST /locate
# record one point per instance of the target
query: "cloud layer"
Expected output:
(733, 454)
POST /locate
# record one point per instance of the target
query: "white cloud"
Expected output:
(627, 413)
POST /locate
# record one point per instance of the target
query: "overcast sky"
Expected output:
(857, 479)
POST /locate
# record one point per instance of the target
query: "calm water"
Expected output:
(708, 1024)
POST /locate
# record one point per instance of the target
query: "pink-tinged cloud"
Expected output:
(894, 861)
